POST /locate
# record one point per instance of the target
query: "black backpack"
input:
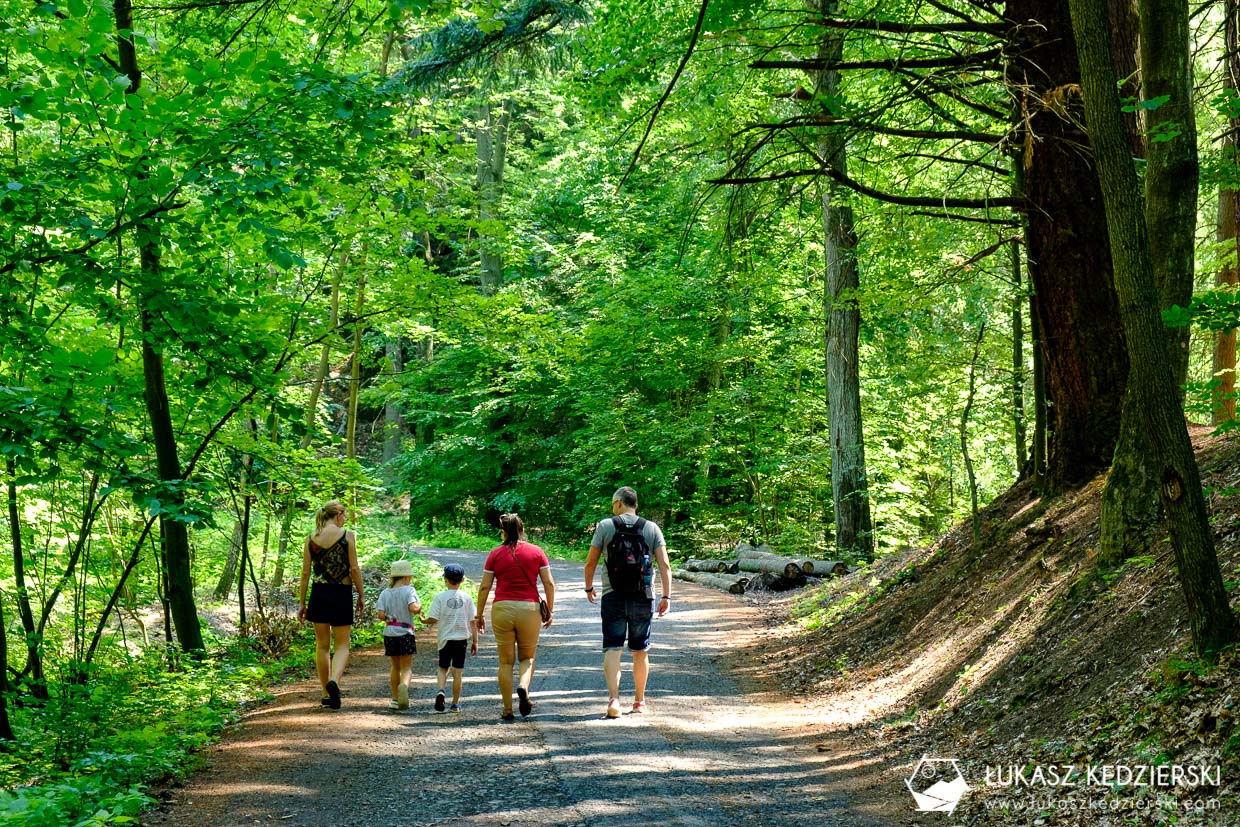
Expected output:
(628, 557)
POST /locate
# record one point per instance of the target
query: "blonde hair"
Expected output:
(328, 512)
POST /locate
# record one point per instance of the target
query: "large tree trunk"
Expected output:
(1019, 434)
(1075, 311)
(850, 496)
(1130, 502)
(1153, 389)
(1224, 407)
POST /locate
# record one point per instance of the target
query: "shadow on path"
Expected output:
(705, 753)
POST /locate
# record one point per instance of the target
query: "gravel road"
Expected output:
(706, 752)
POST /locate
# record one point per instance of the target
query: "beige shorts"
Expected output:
(516, 621)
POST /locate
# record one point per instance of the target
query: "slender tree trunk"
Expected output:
(34, 646)
(854, 534)
(179, 585)
(1152, 384)
(964, 434)
(229, 574)
(394, 423)
(1224, 372)
(1019, 436)
(325, 357)
(286, 525)
(1075, 313)
(492, 149)
(6, 728)
(355, 365)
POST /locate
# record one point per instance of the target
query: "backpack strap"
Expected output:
(619, 523)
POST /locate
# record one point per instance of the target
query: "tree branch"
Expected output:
(877, 195)
(982, 58)
(693, 39)
(963, 27)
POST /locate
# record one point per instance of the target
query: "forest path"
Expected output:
(707, 751)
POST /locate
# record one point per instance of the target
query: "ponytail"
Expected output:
(326, 514)
(513, 528)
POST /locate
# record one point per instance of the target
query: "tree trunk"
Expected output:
(1153, 388)
(6, 728)
(964, 434)
(1019, 436)
(1224, 369)
(34, 654)
(492, 150)
(325, 357)
(1130, 501)
(1074, 310)
(229, 574)
(394, 423)
(854, 533)
(286, 526)
(179, 587)
(355, 366)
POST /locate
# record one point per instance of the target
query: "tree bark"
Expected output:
(179, 586)
(1224, 368)
(394, 423)
(492, 150)
(1152, 386)
(1074, 310)
(1019, 433)
(850, 497)
(1130, 501)
(6, 728)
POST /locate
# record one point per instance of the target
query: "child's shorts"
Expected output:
(452, 654)
(398, 645)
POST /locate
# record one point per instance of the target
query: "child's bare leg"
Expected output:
(457, 678)
(394, 677)
(443, 678)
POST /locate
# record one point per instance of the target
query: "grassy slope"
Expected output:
(1019, 650)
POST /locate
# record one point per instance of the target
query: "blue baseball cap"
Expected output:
(452, 571)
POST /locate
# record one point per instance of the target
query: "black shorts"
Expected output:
(330, 603)
(394, 645)
(452, 654)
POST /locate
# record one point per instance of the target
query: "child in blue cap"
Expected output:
(452, 614)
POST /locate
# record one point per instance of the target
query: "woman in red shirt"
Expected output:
(514, 569)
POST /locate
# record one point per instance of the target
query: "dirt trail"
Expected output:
(706, 752)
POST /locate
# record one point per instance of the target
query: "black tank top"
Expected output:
(331, 564)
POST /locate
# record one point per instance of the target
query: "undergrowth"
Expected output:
(88, 754)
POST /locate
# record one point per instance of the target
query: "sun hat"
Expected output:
(401, 568)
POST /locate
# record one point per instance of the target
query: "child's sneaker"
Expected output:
(439, 700)
(394, 704)
(454, 708)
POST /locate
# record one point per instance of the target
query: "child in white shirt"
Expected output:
(397, 606)
(453, 615)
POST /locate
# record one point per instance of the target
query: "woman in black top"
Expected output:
(331, 552)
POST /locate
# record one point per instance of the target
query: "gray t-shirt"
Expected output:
(604, 531)
(394, 603)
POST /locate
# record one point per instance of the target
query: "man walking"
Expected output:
(627, 544)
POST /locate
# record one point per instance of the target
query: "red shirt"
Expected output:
(516, 576)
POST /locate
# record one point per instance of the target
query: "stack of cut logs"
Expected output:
(752, 569)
